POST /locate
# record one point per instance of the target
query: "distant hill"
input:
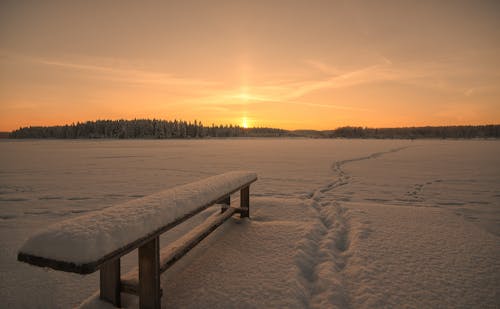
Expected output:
(166, 129)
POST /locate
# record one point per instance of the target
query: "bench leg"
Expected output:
(245, 202)
(226, 202)
(110, 282)
(149, 274)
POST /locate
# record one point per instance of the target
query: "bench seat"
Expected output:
(83, 244)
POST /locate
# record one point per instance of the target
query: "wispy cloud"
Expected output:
(130, 75)
(290, 89)
(114, 73)
(438, 76)
(432, 75)
(293, 91)
(342, 80)
(385, 70)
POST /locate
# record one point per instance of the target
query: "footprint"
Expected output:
(78, 198)
(7, 217)
(479, 202)
(50, 198)
(77, 211)
(13, 199)
(36, 213)
(451, 203)
(113, 195)
(365, 233)
(342, 243)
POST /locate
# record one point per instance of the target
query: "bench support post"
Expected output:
(149, 274)
(110, 282)
(245, 202)
(225, 203)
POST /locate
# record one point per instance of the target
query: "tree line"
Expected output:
(164, 129)
(141, 128)
(460, 132)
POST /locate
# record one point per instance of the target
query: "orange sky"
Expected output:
(288, 64)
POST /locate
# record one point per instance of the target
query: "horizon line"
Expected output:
(259, 127)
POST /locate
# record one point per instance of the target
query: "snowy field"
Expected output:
(334, 223)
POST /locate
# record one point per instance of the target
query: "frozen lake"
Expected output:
(369, 198)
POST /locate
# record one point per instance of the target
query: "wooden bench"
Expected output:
(98, 240)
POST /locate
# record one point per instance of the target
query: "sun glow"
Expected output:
(244, 96)
(244, 122)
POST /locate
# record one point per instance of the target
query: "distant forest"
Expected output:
(484, 131)
(164, 129)
(142, 128)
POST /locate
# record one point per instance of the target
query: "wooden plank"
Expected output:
(172, 253)
(110, 282)
(225, 203)
(149, 275)
(245, 202)
(90, 267)
(186, 243)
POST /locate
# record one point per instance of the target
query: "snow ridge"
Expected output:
(324, 252)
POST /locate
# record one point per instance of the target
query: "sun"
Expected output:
(244, 122)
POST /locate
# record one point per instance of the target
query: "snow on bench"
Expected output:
(97, 240)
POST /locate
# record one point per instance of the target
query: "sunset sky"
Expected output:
(287, 64)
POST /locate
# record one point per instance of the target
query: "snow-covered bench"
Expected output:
(97, 241)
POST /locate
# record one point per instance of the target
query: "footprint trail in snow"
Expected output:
(323, 253)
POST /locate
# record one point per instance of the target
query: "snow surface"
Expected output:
(90, 237)
(334, 223)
